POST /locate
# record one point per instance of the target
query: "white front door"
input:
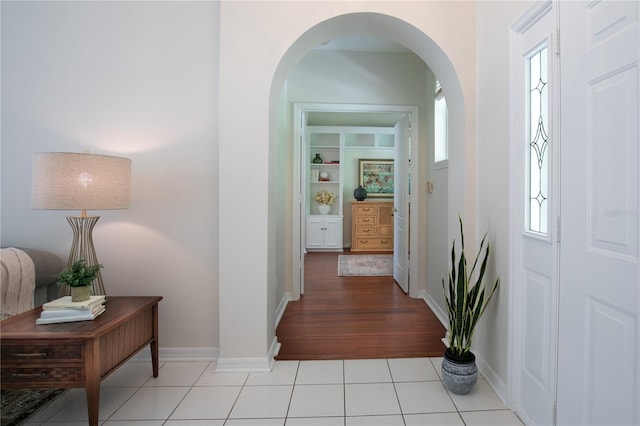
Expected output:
(535, 211)
(402, 168)
(599, 336)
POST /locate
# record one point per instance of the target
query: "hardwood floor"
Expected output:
(355, 317)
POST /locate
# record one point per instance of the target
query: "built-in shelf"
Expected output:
(324, 232)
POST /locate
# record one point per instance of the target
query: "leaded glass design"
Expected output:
(538, 139)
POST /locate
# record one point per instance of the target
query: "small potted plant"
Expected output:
(466, 297)
(326, 199)
(79, 277)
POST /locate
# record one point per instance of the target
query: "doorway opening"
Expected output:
(404, 122)
(447, 183)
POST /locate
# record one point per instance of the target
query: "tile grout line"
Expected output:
(296, 376)
(235, 401)
(344, 393)
(191, 388)
(293, 389)
(395, 390)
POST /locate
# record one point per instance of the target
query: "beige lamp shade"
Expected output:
(73, 181)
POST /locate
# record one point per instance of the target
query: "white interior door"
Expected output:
(301, 151)
(400, 205)
(535, 243)
(599, 336)
(298, 226)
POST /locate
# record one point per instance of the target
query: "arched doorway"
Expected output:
(430, 53)
(248, 296)
(433, 56)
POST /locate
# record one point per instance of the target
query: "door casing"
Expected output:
(300, 111)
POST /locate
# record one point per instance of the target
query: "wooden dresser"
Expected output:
(372, 226)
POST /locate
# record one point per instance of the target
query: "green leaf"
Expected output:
(79, 274)
(466, 295)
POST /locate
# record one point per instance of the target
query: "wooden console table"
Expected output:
(78, 354)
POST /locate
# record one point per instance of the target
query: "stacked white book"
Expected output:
(64, 310)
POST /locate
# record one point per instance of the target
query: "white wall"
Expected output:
(494, 191)
(362, 78)
(171, 85)
(136, 79)
(281, 186)
(436, 246)
(358, 77)
(255, 67)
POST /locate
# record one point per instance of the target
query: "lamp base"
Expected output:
(82, 249)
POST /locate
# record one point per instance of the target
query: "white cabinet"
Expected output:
(324, 233)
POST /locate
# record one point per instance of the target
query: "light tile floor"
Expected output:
(389, 392)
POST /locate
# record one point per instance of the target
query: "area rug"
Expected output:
(19, 404)
(365, 265)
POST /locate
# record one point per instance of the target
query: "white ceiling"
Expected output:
(362, 43)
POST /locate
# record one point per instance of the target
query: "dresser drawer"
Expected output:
(366, 230)
(361, 210)
(372, 226)
(41, 352)
(366, 220)
(25, 375)
(374, 243)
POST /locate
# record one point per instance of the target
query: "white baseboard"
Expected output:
(180, 354)
(492, 378)
(487, 372)
(439, 313)
(274, 350)
(257, 364)
(213, 354)
(281, 307)
(234, 365)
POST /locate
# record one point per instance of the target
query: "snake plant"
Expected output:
(466, 296)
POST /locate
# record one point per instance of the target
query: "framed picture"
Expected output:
(376, 176)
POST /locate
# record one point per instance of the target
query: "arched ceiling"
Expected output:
(362, 43)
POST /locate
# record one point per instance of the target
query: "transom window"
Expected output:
(440, 152)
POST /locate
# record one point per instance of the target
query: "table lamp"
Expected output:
(75, 181)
